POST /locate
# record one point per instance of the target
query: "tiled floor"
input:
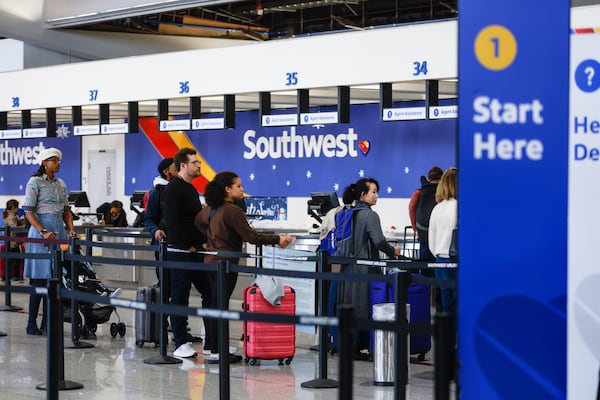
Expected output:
(114, 368)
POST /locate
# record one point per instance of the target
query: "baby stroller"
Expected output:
(89, 315)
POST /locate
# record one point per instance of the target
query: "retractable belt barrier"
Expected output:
(399, 278)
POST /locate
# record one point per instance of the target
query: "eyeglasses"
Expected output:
(55, 159)
(195, 162)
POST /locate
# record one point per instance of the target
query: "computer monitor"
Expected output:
(136, 201)
(78, 199)
(320, 203)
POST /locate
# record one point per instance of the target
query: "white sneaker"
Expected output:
(116, 292)
(185, 351)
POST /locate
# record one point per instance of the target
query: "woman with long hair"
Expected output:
(443, 221)
(226, 228)
(367, 241)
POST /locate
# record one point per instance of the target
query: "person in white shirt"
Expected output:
(442, 222)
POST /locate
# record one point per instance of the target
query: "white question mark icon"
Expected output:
(589, 71)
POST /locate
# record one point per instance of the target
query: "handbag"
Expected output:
(453, 252)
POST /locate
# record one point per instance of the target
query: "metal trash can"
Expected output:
(384, 346)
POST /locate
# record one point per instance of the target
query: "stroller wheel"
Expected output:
(113, 329)
(121, 329)
(93, 328)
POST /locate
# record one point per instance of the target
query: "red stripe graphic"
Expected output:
(166, 146)
(161, 141)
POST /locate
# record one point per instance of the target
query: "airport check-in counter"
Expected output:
(129, 274)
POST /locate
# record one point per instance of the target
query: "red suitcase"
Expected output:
(264, 340)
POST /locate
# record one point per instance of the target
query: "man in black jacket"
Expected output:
(154, 216)
(181, 204)
(426, 204)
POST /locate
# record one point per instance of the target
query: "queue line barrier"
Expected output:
(344, 321)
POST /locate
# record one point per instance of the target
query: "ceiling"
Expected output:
(253, 20)
(261, 20)
(271, 19)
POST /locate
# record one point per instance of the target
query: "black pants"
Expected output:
(34, 305)
(181, 281)
(213, 324)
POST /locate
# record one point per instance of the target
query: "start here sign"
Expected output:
(513, 156)
(492, 111)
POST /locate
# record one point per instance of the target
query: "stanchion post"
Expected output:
(222, 271)
(346, 327)
(324, 331)
(89, 235)
(6, 260)
(165, 288)
(76, 330)
(53, 360)
(401, 282)
(443, 355)
(322, 382)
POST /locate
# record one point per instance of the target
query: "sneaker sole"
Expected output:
(178, 356)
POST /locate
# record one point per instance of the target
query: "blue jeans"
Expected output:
(448, 295)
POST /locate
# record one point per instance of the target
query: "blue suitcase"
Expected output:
(420, 312)
(418, 298)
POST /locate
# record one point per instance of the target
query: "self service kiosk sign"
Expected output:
(513, 141)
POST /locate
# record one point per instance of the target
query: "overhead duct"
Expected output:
(66, 13)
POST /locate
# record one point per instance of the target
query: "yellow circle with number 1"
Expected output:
(495, 47)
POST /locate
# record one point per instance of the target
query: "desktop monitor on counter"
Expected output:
(136, 201)
(320, 203)
(78, 199)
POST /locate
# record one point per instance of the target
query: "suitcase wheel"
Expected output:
(121, 329)
(288, 360)
(252, 361)
(139, 343)
(114, 330)
(421, 357)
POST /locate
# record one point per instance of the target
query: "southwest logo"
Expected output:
(364, 146)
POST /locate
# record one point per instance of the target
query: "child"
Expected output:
(12, 219)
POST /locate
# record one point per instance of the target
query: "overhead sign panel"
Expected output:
(208, 123)
(84, 130)
(34, 133)
(280, 120)
(443, 112)
(10, 134)
(175, 125)
(404, 114)
(513, 160)
(108, 129)
(319, 118)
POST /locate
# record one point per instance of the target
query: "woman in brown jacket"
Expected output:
(226, 228)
